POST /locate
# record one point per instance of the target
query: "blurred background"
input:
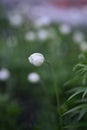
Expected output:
(58, 30)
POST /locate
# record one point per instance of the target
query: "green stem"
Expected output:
(57, 96)
(48, 99)
(44, 88)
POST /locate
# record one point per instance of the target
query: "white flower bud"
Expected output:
(33, 77)
(36, 59)
(83, 46)
(15, 19)
(65, 29)
(4, 74)
(42, 34)
(78, 37)
(30, 36)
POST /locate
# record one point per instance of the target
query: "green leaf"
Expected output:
(84, 94)
(76, 108)
(76, 93)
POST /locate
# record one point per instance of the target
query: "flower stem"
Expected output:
(44, 88)
(57, 96)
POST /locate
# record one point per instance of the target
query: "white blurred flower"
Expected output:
(15, 19)
(83, 46)
(30, 36)
(4, 74)
(78, 37)
(36, 59)
(65, 29)
(42, 34)
(33, 77)
(42, 21)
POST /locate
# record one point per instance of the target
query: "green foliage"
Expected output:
(79, 110)
(26, 106)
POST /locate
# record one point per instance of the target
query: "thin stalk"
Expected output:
(57, 95)
(44, 88)
(48, 99)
